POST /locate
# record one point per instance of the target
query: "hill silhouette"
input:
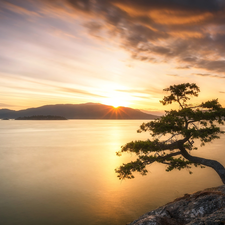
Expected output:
(41, 117)
(79, 111)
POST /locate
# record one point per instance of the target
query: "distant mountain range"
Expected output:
(79, 111)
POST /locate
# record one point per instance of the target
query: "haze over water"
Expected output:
(62, 172)
(118, 53)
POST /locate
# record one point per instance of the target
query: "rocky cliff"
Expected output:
(201, 208)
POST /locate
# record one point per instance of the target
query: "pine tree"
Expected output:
(184, 126)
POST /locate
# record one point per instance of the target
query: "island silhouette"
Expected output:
(79, 111)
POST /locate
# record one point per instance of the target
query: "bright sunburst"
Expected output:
(116, 101)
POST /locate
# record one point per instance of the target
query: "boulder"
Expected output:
(201, 208)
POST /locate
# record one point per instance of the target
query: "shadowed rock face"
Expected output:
(201, 208)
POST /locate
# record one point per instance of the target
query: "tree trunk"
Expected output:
(206, 162)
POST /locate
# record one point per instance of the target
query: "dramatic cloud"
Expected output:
(92, 49)
(182, 67)
(18, 9)
(209, 75)
(78, 91)
(189, 32)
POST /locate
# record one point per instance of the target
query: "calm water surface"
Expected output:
(62, 172)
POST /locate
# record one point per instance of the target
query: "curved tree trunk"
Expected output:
(206, 162)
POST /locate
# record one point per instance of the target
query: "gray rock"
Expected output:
(201, 208)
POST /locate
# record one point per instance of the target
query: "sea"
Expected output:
(63, 173)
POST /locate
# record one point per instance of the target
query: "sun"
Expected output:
(116, 102)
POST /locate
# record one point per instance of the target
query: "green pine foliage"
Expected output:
(183, 126)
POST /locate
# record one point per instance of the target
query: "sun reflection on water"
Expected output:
(67, 170)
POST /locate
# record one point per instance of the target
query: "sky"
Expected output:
(116, 52)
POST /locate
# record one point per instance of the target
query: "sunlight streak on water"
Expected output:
(62, 172)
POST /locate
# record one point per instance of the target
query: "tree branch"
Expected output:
(206, 162)
(147, 160)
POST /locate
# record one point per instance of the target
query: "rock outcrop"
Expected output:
(201, 208)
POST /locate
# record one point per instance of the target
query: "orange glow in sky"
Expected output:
(109, 52)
